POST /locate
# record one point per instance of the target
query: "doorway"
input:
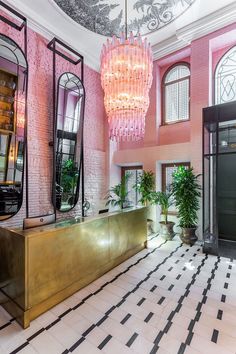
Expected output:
(219, 175)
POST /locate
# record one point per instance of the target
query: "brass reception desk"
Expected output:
(42, 266)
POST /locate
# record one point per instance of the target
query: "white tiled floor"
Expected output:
(175, 300)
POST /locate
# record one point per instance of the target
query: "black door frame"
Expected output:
(214, 115)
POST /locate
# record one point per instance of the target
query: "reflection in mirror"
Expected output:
(13, 83)
(227, 136)
(70, 112)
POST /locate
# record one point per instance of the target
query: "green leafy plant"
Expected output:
(117, 195)
(186, 191)
(69, 176)
(145, 186)
(165, 200)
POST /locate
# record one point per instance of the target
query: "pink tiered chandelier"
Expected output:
(126, 74)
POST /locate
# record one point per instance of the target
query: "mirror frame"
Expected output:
(24, 165)
(80, 160)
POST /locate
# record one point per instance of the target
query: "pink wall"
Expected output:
(148, 156)
(166, 134)
(181, 141)
(174, 133)
(218, 54)
(40, 108)
(203, 54)
(178, 132)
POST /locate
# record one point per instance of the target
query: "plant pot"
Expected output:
(167, 230)
(188, 235)
(150, 224)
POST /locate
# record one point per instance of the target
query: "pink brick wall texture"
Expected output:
(203, 55)
(40, 128)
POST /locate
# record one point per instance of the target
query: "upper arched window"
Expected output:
(225, 78)
(176, 86)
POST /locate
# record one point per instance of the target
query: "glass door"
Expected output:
(227, 180)
(219, 176)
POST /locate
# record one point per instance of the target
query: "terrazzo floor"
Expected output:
(169, 298)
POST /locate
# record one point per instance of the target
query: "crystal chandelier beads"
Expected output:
(126, 74)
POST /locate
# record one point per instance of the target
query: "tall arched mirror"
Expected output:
(13, 88)
(69, 130)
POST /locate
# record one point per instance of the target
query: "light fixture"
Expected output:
(126, 74)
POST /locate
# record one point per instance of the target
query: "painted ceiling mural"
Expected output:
(107, 17)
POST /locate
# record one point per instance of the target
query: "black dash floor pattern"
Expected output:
(167, 277)
(135, 289)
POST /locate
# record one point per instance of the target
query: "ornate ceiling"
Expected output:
(107, 17)
(199, 17)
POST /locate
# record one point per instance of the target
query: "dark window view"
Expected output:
(68, 149)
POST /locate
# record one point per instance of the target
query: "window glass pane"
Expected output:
(225, 78)
(183, 99)
(176, 93)
(130, 183)
(167, 173)
(138, 195)
(178, 72)
(169, 170)
(177, 101)
(133, 195)
(3, 155)
(227, 136)
(171, 102)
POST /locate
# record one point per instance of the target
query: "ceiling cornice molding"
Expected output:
(183, 37)
(200, 28)
(208, 24)
(37, 24)
(168, 46)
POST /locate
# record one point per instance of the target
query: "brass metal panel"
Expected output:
(58, 259)
(38, 309)
(12, 266)
(21, 316)
(119, 235)
(127, 231)
(43, 266)
(138, 224)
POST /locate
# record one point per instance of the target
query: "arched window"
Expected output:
(176, 85)
(225, 78)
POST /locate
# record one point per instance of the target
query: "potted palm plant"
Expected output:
(186, 191)
(145, 186)
(69, 180)
(117, 195)
(165, 201)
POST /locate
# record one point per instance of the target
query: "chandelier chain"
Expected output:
(126, 19)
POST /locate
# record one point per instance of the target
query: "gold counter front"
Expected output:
(43, 266)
